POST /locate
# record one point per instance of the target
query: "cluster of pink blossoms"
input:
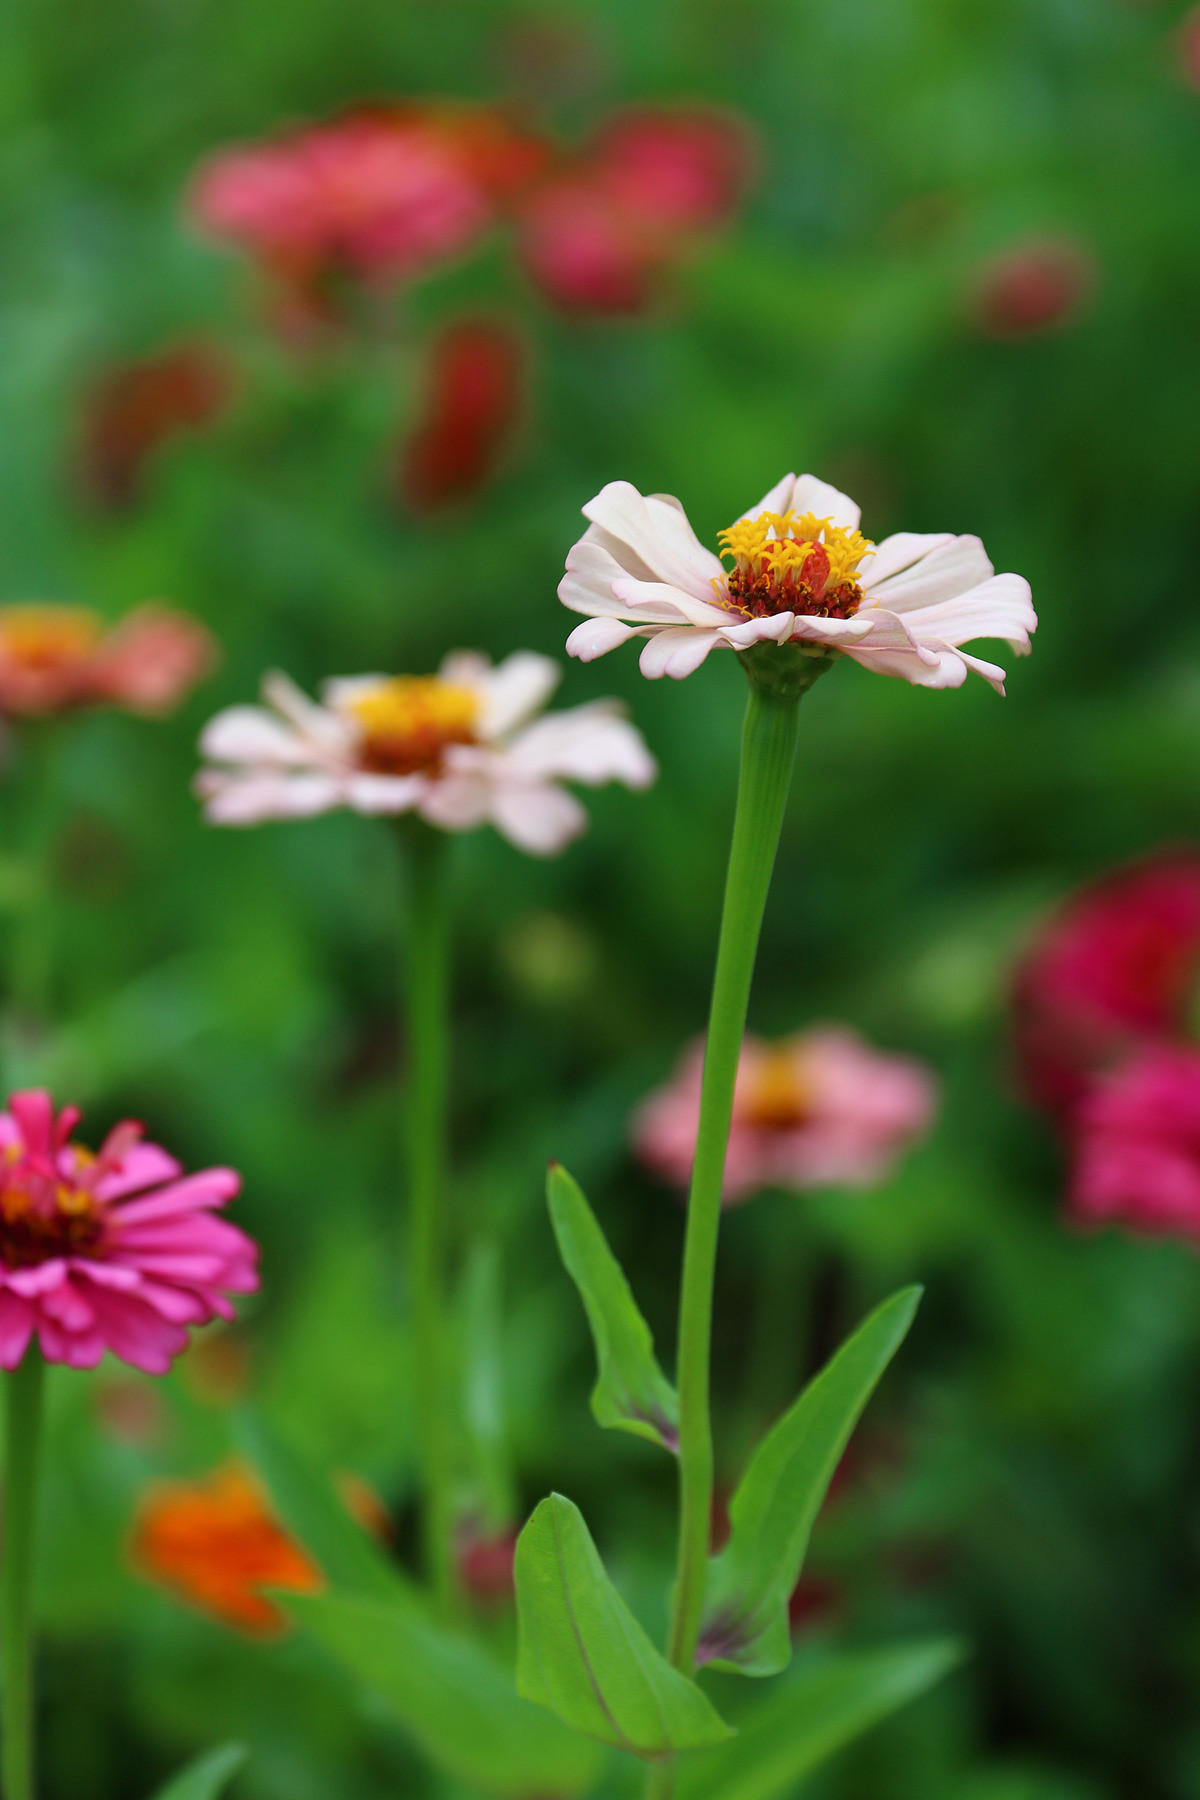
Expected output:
(115, 1249)
(1103, 1004)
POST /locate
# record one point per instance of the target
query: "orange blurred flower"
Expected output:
(474, 400)
(216, 1543)
(55, 658)
(134, 407)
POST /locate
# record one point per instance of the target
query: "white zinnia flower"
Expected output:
(461, 748)
(802, 573)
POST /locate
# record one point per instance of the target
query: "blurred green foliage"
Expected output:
(1029, 1478)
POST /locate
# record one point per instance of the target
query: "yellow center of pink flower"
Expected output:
(792, 562)
(41, 1219)
(407, 723)
(776, 1097)
(46, 638)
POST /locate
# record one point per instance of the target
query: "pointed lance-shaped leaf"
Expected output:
(811, 1715)
(745, 1626)
(456, 1701)
(632, 1393)
(207, 1777)
(582, 1653)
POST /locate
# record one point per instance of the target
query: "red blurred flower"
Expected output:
(136, 406)
(1031, 287)
(1137, 1144)
(474, 401)
(598, 235)
(1189, 48)
(56, 658)
(378, 195)
(485, 1565)
(1113, 969)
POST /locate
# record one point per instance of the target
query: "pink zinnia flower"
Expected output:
(57, 658)
(597, 236)
(1137, 1145)
(381, 194)
(819, 1109)
(116, 1250)
(1114, 968)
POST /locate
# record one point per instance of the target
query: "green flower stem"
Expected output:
(428, 991)
(23, 1414)
(768, 752)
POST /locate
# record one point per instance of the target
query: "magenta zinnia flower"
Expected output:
(111, 1250)
(1137, 1145)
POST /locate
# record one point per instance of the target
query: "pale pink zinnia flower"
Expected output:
(110, 1250)
(1136, 1145)
(802, 574)
(57, 658)
(461, 748)
(818, 1109)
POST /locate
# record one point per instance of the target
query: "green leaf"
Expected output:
(745, 1625)
(207, 1777)
(458, 1704)
(632, 1392)
(313, 1512)
(583, 1654)
(811, 1715)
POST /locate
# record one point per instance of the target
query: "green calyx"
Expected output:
(785, 670)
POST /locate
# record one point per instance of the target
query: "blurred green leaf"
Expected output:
(314, 1513)
(459, 1705)
(632, 1392)
(584, 1655)
(207, 1777)
(814, 1713)
(745, 1625)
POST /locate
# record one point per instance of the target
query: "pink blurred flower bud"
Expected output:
(1031, 287)
(1114, 967)
(597, 236)
(819, 1109)
(1136, 1148)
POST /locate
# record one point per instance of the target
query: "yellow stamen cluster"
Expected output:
(793, 561)
(777, 1096)
(407, 723)
(46, 637)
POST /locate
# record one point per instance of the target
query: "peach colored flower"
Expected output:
(57, 658)
(216, 1542)
(802, 574)
(461, 748)
(819, 1109)
(114, 1250)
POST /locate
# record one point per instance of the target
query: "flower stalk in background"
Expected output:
(818, 1109)
(114, 1250)
(456, 750)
